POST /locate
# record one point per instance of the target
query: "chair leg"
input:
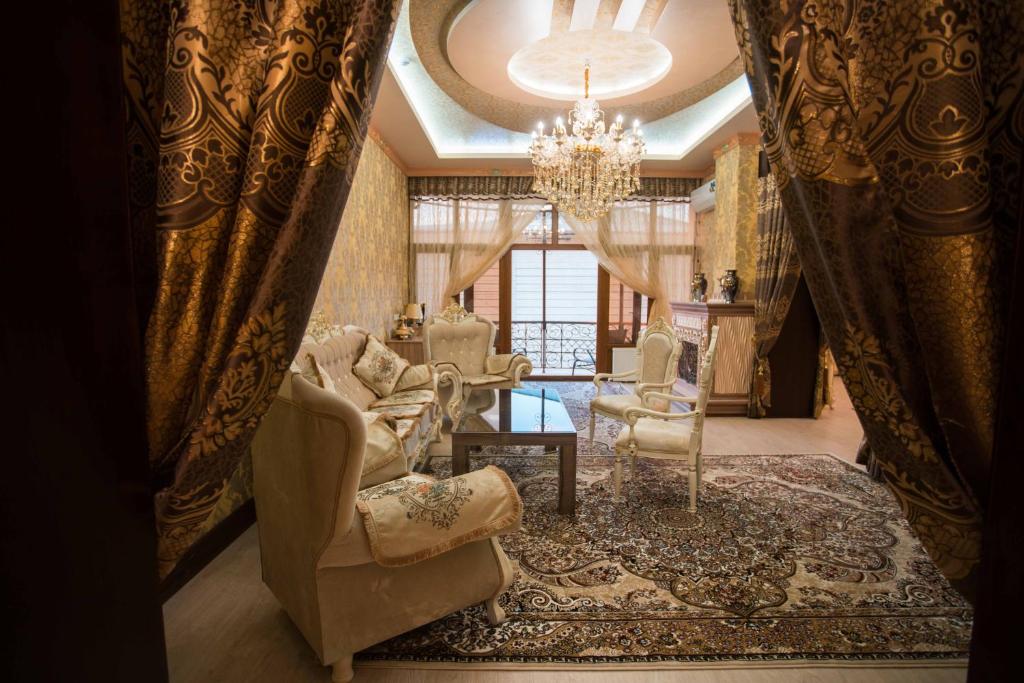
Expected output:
(593, 417)
(618, 476)
(700, 469)
(341, 670)
(632, 466)
(495, 614)
(693, 486)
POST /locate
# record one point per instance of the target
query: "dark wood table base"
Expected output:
(565, 442)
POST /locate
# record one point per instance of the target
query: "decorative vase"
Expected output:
(698, 287)
(730, 283)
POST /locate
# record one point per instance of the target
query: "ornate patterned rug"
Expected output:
(789, 557)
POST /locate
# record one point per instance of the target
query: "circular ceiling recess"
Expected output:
(621, 64)
(515, 63)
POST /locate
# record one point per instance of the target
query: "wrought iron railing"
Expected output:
(555, 344)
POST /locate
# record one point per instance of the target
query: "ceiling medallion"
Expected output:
(587, 171)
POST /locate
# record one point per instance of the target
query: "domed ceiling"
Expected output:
(479, 74)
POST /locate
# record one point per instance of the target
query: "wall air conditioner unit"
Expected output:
(624, 359)
(703, 198)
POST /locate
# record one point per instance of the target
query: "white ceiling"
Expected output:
(429, 132)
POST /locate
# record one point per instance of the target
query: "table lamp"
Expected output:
(412, 313)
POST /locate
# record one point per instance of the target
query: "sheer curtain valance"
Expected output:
(454, 241)
(648, 245)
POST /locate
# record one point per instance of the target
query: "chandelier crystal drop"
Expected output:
(583, 168)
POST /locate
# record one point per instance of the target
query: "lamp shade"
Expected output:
(412, 311)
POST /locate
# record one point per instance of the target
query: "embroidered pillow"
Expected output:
(310, 370)
(379, 367)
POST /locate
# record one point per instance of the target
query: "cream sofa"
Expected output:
(413, 404)
(355, 567)
(463, 343)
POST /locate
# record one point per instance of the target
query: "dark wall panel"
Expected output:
(77, 544)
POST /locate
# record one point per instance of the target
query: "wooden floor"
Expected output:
(226, 627)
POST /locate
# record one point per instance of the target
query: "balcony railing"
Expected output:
(557, 345)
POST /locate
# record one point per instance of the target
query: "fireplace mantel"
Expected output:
(693, 323)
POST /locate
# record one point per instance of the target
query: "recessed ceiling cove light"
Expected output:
(621, 63)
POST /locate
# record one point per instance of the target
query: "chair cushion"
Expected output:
(307, 365)
(379, 367)
(615, 404)
(403, 398)
(482, 380)
(658, 436)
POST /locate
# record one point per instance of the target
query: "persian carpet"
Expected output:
(788, 557)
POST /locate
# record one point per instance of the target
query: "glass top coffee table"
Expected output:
(519, 417)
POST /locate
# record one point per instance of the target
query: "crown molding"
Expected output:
(737, 140)
(375, 135)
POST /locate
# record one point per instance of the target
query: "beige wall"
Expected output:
(727, 236)
(367, 276)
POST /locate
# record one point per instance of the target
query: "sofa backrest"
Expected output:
(337, 355)
(307, 458)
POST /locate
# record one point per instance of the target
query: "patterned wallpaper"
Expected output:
(366, 280)
(727, 238)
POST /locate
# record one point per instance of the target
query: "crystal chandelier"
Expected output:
(585, 169)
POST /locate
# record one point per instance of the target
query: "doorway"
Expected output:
(555, 304)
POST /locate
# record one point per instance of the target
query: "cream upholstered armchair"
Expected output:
(463, 342)
(355, 562)
(657, 358)
(668, 435)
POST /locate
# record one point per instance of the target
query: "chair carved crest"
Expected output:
(454, 313)
(659, 326)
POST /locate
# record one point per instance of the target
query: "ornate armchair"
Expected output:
(463, 343)
(355, 562)
(668, 435)
(657, 352)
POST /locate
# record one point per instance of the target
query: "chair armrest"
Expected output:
(667, 397)
(406, 525)
(511, 365)
(602, 377)
(632, 415)
(647, 386)
(448, 375)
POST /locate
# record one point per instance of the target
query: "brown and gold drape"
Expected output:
(777, 275)
(894, 129)
(245, 122)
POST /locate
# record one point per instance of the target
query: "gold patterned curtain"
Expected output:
(777, 275)
(894, 129)
(245, 122)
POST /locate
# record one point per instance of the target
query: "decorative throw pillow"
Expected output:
(379, 367)
(310, 370)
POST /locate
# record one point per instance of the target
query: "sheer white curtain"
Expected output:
(454, 241)
(646, 244)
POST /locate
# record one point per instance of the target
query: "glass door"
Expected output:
(554, 310)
